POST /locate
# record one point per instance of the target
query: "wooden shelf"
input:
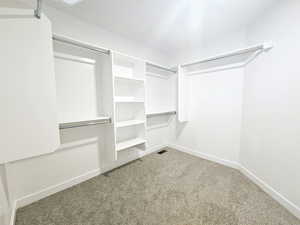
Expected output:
(128, 100)
(158, 75)
(129, 78)
(129, 123)
(130, 143)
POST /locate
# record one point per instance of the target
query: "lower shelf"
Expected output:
(129, 144)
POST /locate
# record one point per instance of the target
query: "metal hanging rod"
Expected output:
(161, 114)
(79, 44)
(76, 43)
(161, 67)
(261, 47)
(38, 10)
(105, 120)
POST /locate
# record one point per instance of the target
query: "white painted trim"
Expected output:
(28, 199)
(13, 213)
(202, 155)
(290, 206)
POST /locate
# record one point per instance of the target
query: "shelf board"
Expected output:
(129, 144)
(130, 78)
(82, 123)
(158, 75)
(128, 100)
(129, 123)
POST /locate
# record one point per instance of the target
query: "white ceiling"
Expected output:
(167, 25)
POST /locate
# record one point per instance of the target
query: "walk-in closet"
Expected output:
(149, 112)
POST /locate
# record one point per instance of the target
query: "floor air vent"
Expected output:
(162, 152)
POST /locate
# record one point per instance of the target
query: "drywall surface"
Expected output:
(215, 115)
(72, 27)
(271, 124)
(32, 175)
(214, 46)
(83, 153)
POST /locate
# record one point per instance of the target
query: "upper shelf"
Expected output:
(158, 71)
(129, 99)
(229, 60)
(129, 78)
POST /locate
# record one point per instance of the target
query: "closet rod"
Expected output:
(76, 43)
(261, 47)
(161, 114)
(84, 123)
(161, 67)
(79, 44)
(38, 10)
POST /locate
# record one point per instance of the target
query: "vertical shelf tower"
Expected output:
(129, 103)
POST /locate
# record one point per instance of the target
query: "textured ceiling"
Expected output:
(170, 25)
(167, 25)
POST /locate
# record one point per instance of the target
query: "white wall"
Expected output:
(32, 175)
(215, 104)
(271, 124)
(270, 102)
(67, 25)
(26, 177)
(228, 42)
(214, 115)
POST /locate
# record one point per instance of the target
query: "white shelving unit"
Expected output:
(129, 100)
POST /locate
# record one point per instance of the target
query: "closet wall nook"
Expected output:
(97, 86)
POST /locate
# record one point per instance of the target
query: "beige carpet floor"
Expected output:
(169, 189)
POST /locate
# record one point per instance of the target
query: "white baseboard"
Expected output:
(202, 155)
(291, 207)
(28, 199)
